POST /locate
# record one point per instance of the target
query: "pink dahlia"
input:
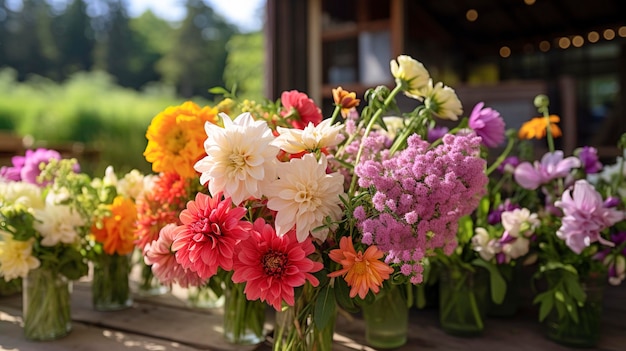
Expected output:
(160, 256)
(272, 266)
(209, 232)
(488, 124)
(304, 107)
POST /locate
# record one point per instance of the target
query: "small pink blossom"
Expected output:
(552, 166)
(488, 124)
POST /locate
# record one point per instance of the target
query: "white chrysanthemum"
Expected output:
(132, 185)
(22, 193)
(312, 138)
(520, 221)
(110, 178)
(412, 73)
(516, 248)
(240, 159)
(484, 244)
(57, 224)
(442, 101)
(304, 196)
(16, 257)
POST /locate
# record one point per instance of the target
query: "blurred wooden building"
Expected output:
(502, 52)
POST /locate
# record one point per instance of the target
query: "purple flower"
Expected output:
(436, 133)
(552, 166)
(612, 201)
(495, 216)
(27, 168)
(508, 165)
(488, 124)
(589, 158)
(585, 217)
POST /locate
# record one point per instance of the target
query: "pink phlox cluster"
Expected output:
(420, 194)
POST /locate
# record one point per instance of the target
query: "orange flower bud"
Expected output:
(345, 99)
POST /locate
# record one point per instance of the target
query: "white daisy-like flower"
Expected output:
(16, 257)
(57, 224)
(312, 138)
(22, 193)
(484, 244)
(442, 100)
(240, 159)
(516, 248)
(412, 73)
(304, 196)
(520, 222)
(132, 185)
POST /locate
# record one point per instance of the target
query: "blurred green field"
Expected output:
(88, 110)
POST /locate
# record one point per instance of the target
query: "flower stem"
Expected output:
(502, 157)
(333, 118)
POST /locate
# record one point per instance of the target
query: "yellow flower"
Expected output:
(537, 128)
(116, 232)
(16, 257)
(362, 271)
(346, 99)
(411, 73)
(176, 137)
(442, 100)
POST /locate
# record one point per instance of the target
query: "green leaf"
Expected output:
(325, 307)
(497, 283)
(547, 303)
(342, 295)
(219, 91)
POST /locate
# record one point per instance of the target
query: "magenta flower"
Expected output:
(585, 217)
(589, 158)
(436, 133)
(488, 124)
(552, 166)
(508, 165)
(272, 266)
(208, 235)
(27, 168)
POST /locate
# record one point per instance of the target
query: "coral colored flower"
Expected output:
(301, 107)
(159, 255)
(411, 73)
(362, 271)
(537, 128)
(310, 139)
(304, 196)
(240, 160)
(552, 166)
(116, 233)
(345, 99)
(272, 266)
(175, 138)
(488, 124)
(585, 217)
(16, 257)
(209, 232)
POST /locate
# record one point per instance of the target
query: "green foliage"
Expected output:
(245, 65)
(88, 108)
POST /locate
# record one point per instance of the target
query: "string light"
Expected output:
(471, 15)
(593, 36)
(622, 31)
(578, 41)
(505, 51)
(608, 34)
(564, 42)
(544, 45)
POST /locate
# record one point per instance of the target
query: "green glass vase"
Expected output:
(387, 319)
(110, 285)
(463, 296)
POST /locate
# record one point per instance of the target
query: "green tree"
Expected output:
(198, 57)
(75, 39)
(245, 65)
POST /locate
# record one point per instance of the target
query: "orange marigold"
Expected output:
(362, 271)
(346, 99)
(537, 128)
(117, 232)
(176, 137)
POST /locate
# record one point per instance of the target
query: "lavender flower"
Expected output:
(552, 166)
(430, 189)
(436, 133)
(585, 217)
(508, 165)
(589, 158)
(488, 124)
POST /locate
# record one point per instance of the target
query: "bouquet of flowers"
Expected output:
(309, 214)
(42, 232)
(579, 240)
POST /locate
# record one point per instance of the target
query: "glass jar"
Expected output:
(387, 319)
(46, 305)
(110, 286)
(463, 296)
(244, 320)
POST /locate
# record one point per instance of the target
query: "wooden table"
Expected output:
(167, 323)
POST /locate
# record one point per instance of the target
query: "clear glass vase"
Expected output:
(512, 275)
(10, 287)
(110, 286)
(46, 305)
(204, 297)
(244, 320)
(149, 285)
(295, 327)
(584, 333)
(387, 319)
(463, 296)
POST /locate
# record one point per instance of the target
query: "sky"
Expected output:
(245, 14)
